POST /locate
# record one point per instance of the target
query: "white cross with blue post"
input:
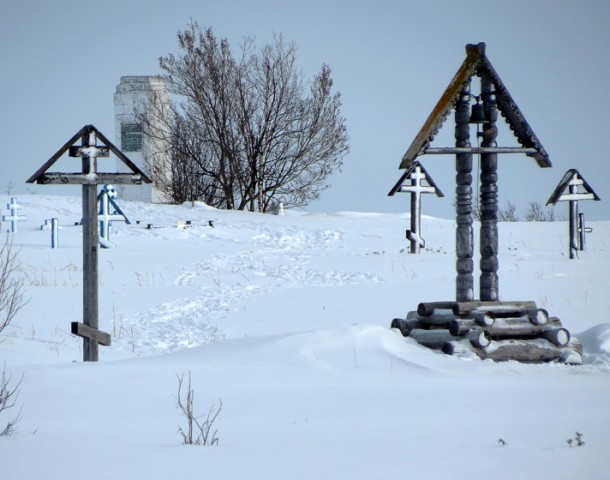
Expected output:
(106, 217)
(14, 217)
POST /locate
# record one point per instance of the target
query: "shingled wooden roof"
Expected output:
(477, 64)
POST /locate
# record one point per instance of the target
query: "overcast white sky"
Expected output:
(61, 61)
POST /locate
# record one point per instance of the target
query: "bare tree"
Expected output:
(11, 288)
(508, 214)
(536, 213)
(247, 131)
(8, 397)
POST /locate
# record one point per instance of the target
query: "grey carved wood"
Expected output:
(464, 249)
(488, 204)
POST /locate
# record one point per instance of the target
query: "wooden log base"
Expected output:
(499, 331)
(538, 350)
(438, 318)
(499, 308)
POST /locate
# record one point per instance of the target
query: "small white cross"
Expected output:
(13, 217)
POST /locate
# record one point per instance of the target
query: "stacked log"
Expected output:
(499, 331)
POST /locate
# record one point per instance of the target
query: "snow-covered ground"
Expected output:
(285, 320)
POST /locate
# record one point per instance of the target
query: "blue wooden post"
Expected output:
(103, 216)
(54, 233)
(13, 217)
(582, 230)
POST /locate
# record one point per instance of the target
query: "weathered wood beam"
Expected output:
(525, 351)
(438, 318)
(515, 328)
(405, 326)
(432, 338)
(437, 339)
(498, 308)
(85, 331)
(478, 150)
(88, 179)
(426, 308)
(88, 151)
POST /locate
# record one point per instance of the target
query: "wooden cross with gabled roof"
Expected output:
(89, 151)
(420, 182)
(572, 188)
(494, 97)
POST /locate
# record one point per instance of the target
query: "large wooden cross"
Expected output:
(89, 177)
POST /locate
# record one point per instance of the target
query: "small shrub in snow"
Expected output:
(197, 432)
(8, 397)
(508, 214)
(536, 213)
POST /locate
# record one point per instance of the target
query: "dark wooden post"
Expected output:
(573, 223)
(488, 286)
(582, 230)
(89, 152)
(464, 284)
(413, 235)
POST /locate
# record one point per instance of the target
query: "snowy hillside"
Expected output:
(285, 320)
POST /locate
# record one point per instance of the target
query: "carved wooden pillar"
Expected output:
(464, 284)
(489, 196)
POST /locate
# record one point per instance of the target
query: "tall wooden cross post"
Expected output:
(89, 151)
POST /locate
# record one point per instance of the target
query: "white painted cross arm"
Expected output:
(414, 237)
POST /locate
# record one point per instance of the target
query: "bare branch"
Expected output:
(8, 397)
(11, 287)
(197, 432)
